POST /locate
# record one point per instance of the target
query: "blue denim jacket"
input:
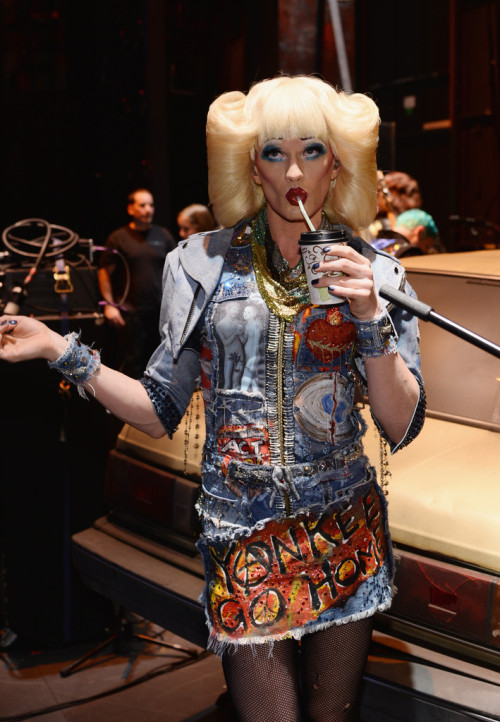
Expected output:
(191, 274)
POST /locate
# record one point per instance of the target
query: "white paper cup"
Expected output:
(312, 244)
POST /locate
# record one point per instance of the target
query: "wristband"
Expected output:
(115, 305)
(78, 363)
(375, 338)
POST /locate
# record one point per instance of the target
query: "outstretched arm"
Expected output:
(23, 338)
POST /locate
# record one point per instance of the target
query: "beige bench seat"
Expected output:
(455, 513)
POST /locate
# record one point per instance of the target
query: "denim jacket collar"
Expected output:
(202, 256)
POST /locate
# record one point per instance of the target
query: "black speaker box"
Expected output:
(54, 450)
(42, 299)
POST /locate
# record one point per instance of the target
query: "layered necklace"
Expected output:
(284, 289)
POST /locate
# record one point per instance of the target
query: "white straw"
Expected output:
(303, 211)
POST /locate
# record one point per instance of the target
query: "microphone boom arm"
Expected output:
(427, 313)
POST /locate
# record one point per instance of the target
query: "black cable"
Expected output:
(122, 258)
(53, 240)
(36, 238)
(164, 669)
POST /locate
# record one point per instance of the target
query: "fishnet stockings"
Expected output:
(264, 688)
(333, 663)
(322, 674)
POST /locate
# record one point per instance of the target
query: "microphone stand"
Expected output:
(427, 313)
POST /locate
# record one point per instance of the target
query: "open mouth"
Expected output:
(295, 193)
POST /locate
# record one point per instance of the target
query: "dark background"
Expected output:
(100, 97)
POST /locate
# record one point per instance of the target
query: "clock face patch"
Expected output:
(321, 409)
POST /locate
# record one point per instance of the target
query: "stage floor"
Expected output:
(134, 680)
(130, 680)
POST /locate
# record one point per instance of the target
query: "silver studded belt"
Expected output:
(266, 474)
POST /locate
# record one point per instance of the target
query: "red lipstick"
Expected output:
(295, 193)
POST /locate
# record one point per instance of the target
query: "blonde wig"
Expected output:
(292, 107)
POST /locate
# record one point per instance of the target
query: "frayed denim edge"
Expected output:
(221, 646)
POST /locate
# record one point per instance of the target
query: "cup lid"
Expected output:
(322, 236)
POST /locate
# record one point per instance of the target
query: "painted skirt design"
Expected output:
(296, 574)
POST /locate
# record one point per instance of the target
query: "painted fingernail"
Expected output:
(3, 323)
(326, 250)
(315, 266)
(12, 323)
(331, 289)
(314, 281)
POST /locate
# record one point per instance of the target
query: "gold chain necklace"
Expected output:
(283, 302)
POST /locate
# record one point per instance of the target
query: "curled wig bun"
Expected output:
(292, 107)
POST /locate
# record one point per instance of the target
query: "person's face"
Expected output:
(142, 209)
(186, 226)
(283, 166)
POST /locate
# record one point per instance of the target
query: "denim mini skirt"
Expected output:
(272, 576)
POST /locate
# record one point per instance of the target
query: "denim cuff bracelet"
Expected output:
(78, 364)
(375, 338)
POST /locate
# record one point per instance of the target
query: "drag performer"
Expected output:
(295, 539)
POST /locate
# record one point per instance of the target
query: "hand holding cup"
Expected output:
(316, 247)
(337, 272)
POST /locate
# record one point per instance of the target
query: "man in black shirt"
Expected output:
(130, 281)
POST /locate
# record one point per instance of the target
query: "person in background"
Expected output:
(130, 278)
(396, 192)
(404, 191)
(419, 229)
(195, 218)
(396, 244)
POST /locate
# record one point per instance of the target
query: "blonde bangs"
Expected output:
(286, 114)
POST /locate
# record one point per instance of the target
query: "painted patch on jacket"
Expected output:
(291, 572)
(240, 331)
(322, 339)
(321, 408)
(327, 338)
(206, 358)
(248, 443)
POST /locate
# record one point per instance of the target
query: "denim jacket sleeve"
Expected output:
(407, 340)
(190, 276)
(405, 336)
(170, 381)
